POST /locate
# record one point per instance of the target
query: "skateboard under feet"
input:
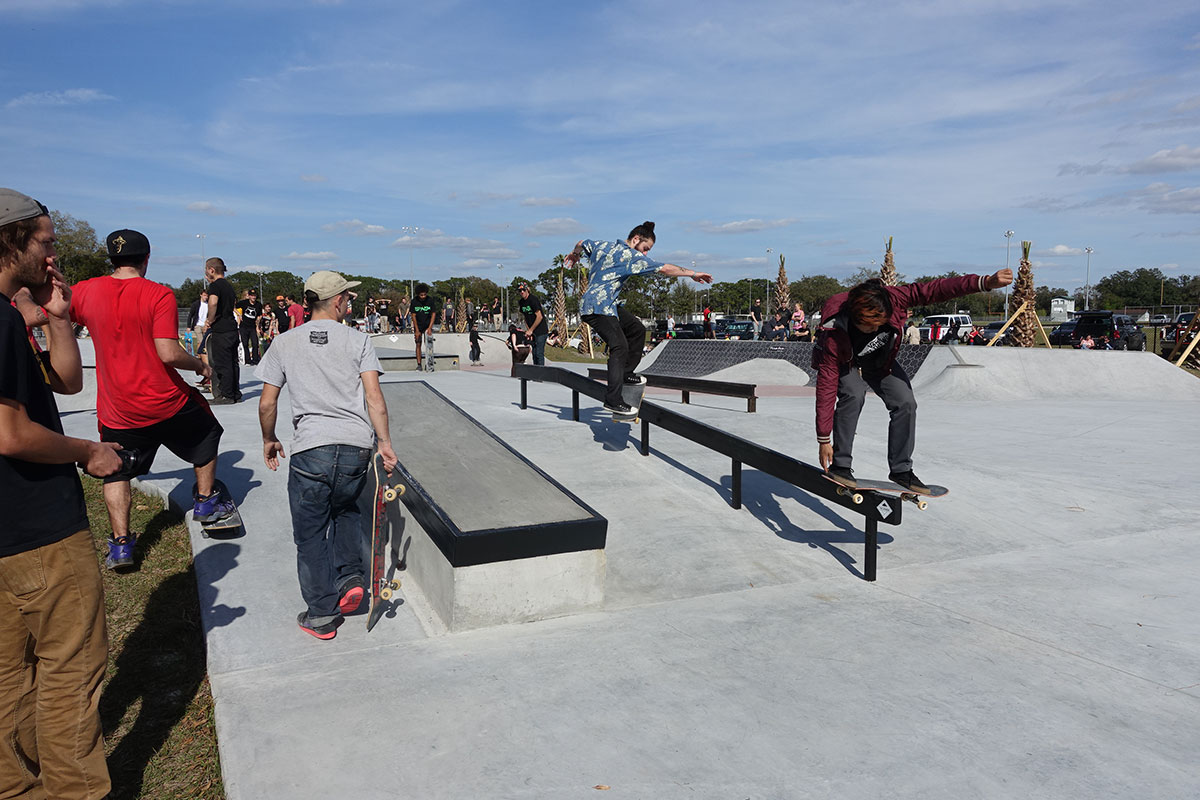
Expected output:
(916, 498)
(632, 395)
(225, 525)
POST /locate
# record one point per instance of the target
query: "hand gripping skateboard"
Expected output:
(387, 491)
(632, 395)
(226, 524)
(917, 498)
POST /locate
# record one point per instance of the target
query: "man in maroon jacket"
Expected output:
(856, 348)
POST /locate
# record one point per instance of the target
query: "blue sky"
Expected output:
(304, 135)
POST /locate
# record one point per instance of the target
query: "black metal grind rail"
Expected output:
(875, 507)
(746, 391)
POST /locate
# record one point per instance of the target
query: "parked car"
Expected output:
(1062, 334)
(1120, 329)
(990, 332)
(738, 330)
(1160, 319)
(946, 321)
(1171, 333)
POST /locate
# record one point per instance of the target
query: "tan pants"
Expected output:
(53, 652)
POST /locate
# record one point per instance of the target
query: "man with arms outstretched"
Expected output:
(856, 348)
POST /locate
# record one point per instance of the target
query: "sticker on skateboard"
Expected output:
(917, 498)
(430, 361)
(387, 491)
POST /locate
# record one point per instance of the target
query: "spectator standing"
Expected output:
(372, 315)
(295, 313)
(332, 374)
(799, 324)
(497, 314)
(912, 334)
(142, 403)
(448, 316)
(670, 327)
(473, 337)
(756, 316)
(222, 335)
(708, 325)
(610, 264)
(280, 314)
(535, 323)
(53, 637)
(248, 326)
(199, 327)
(518, 343)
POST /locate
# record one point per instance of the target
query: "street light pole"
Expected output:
(1008, 244)
(1087, 285)
(503, 296)
(411, 230)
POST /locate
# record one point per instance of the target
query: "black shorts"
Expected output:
(193, 434)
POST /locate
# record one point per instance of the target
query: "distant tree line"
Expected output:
(81, 255)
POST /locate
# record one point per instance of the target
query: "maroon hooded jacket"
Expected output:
(833, 353)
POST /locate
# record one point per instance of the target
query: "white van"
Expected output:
(946, 321)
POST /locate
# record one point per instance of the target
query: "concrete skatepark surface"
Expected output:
(1034, 634)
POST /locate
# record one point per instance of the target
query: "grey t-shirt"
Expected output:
(321, 362)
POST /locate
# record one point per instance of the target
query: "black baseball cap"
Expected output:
(125, 243)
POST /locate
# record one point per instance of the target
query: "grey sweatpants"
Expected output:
(896, 392)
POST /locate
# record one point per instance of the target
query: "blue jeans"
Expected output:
(323, 488)
(539, 349)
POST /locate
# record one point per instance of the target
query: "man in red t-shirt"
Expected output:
(141, 400)
(295, 312)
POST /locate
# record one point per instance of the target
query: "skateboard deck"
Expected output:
(230, 523)
(918, 498)
(632, 395)
(430, 361)
(387, 491)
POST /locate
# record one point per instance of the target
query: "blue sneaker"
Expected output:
(120, 552)
(213, 507)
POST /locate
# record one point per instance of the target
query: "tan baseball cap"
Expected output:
(326, 284)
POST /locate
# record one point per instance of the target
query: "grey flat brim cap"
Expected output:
(15, 207)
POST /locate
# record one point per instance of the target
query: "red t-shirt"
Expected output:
(124, 316)
(296, 313)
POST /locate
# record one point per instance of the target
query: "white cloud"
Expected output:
(205, 207)
(314, 178)
(559, 226)
(356, 227)
(70, 97)
(324, 255)
(1161, 198)
(545, 202)
(474, 247)
(1191, 104)
(1060, 250)
(1181, 159)
(740, 226)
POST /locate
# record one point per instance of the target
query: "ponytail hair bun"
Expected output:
(645, 230)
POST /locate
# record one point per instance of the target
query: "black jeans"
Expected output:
(625, 336)
(896, 393)
(222, 356)
(249, 336)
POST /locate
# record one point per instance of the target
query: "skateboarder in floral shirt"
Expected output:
(856, 348)
(610, 264)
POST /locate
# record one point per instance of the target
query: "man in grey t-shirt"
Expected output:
(338, 413)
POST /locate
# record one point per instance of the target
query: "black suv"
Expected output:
(1120, 330)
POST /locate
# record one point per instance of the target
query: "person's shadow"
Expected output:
(159, 671)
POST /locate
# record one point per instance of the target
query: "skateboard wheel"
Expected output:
(921, 504)
(390, 494)
(396, 585)
(857, 498)
(385, 593)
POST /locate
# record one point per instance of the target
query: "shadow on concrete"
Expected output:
(239, 480)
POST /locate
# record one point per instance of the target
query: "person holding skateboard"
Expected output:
(339, 413)
(142, 402)
(423, 316)
(856, 348)
(610, 264)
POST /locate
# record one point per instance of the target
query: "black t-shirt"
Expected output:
(281, 317)
(251, 311)
(756, 313)
(871, 349)
(42, 503)
(529, 308)
(422, 311)
(226, 298)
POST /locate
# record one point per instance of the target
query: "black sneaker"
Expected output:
(634, 380)
(222, 401)
(326, 631)
(909, 481)
(351, 595)
(622, 409)
(843, 475)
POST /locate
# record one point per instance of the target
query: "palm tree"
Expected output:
(560, 305)
(783, 293)
(888, 271)
(460, 310)
(1025, 325)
